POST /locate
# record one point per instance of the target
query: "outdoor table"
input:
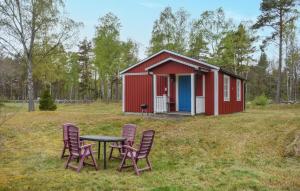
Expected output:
(104, 139)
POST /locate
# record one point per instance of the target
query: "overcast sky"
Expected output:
(137, 16)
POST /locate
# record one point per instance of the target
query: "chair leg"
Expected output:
(123, 161)
(149, 164)
(94, 161)
(63, 152)
(68, 161)
(110, 154)
(133, 160)
(81, 161)
(120, 152)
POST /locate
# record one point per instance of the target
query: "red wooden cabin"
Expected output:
(167, 82)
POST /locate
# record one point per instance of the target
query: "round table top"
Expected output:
(102, 138)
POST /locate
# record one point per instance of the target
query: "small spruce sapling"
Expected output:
(47, 102)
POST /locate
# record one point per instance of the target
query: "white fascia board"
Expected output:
(135, 74)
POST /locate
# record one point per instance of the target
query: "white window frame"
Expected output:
(238, 90)
(226, 79)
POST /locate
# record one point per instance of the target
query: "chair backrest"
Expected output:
(65, 131)
(146, 143)
(128, 132)
(73, 139)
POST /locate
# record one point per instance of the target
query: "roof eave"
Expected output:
(232, 74)
(170, 52)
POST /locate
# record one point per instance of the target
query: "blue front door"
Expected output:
(184, 93)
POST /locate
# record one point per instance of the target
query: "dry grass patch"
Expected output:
(243, 151)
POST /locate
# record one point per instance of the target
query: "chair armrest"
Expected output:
(129, 143)
(81, 142)
(85, 146)
(115, 146)
(129, 148)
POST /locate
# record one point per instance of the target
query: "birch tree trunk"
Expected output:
(295, 84)
(30, 91)
(278, 86)
(117, 88)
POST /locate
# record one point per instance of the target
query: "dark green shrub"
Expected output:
(261, 100)
(47, 102)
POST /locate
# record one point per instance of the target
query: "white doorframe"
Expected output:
(123, 93)
(200, 100)
(193, 94)
(177, 104)
(169, 86)
(216, 92)
(203, 85)
(154, 93)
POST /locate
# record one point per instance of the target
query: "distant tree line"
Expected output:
(40, 54)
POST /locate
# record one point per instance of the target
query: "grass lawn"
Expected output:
(242, 151)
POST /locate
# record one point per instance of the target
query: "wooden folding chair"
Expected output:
(65, 140)
(128, 132)
(137, 154)
(77, 151)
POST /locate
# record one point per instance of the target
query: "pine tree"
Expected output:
(235, 50)
(277, 14)
(85, 67)
(261, 71)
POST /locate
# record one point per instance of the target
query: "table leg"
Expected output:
(99, 146)
(104, 154)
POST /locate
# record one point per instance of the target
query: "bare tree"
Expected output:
(23, 23)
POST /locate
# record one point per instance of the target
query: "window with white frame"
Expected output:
(226, 88)
(238, 90)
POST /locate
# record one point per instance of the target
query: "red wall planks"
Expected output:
(158, 58)
(173, 93)
(199, 85)
(161, 85)
(172, 67)
(138, 90)
(154, 60)
(209, 93)
(233, 105)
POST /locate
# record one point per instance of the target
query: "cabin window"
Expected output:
(238, 90)
(226, 88)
